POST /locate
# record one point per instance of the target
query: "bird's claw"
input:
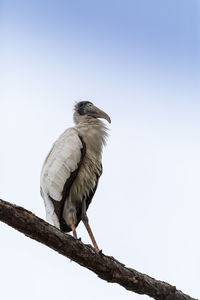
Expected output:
(96, 251)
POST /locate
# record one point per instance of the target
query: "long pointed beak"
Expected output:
(98, 113)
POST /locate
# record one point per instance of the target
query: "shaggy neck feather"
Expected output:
(93, 131)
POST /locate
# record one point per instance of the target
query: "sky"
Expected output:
(140, 62)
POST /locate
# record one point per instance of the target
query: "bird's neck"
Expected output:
(93, 132)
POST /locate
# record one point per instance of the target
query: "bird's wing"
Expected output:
(61, 163)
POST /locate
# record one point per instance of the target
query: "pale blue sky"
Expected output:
(139, 61)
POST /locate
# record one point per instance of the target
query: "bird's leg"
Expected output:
(86, 223)
(70, 215)
(72, 225)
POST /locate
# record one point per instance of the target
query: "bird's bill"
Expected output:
(98, 113)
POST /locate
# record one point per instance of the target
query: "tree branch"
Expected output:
(106, 267)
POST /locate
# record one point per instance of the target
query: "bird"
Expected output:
(71, 170)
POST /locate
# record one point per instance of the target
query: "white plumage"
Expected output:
(61, 161)
(70, 173)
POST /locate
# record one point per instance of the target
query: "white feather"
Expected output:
(61, 161)
(51, 216)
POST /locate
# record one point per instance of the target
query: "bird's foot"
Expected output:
(96, 249)
(93, 249)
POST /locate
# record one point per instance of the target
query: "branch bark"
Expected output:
(106, 267)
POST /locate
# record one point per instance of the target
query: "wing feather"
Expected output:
(62, 160)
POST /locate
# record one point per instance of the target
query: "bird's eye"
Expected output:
(89, 104)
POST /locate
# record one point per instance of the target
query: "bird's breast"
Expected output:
(93, 139)
(86, 179)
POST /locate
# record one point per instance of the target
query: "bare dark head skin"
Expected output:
(88, 108)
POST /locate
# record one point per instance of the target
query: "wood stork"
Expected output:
(71, 171)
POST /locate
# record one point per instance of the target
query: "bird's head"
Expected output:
(86, 108)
